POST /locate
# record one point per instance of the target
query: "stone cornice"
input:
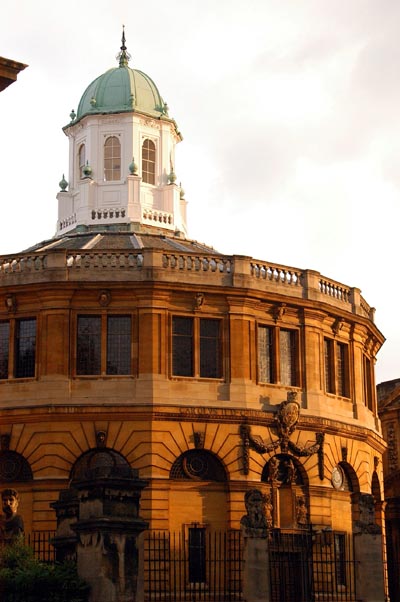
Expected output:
(187, 414)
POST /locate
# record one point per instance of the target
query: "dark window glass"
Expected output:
(182, 346)
(328, 361)
(149, 162)
(340, 558)
(88, 352)
(4, 348)
(210, 348)
(112, 159)
(82, 160)
(197, 555)
(342, 370)
(265, 354)
(118, 345)
(287, 348)
(25, 346)
(368, 394)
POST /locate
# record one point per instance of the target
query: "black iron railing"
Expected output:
(40, 542)
(197, 565)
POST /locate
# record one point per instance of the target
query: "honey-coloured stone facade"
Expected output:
(185, 434)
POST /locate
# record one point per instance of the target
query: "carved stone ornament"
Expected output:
(198, 301)
(104, 298)
(11, 303)
(258, 518)
(391, 440)
(366, 522)
(337, 477)
(199, 438)
(101, 437)
(285, 423)
(301, 510)
(288, 416)
(278, 311)
(337, 326)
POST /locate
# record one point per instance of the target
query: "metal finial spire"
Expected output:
(123, 56)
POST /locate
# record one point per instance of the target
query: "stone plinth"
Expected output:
(98, 522)
(256, 577)
(369, 567)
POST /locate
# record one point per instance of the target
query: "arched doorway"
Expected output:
(287, 491)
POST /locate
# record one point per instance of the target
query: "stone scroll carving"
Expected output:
(285, 424)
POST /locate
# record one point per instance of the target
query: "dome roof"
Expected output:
(122, 89)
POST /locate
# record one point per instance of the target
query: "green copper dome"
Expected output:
(119, 90)
(122, 89)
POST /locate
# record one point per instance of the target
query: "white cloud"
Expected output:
(288, 111)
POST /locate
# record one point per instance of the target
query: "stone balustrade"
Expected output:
(153, 264)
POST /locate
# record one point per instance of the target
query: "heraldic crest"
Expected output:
(285, 423)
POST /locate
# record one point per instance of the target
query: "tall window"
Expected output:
(368, 388)
(18, 348)
(81, 160)
(4, 348)
(336, 368)
(265, 355)
(182, 346)
(278, 356)
(197, 554)
(329, 366)
(88, 352)
(339, 543)
(342, 364)
(25, 347)
(112, 159)
(196, 347)
(118, 345)
(103, 345)
(149, 162)
(287, 357)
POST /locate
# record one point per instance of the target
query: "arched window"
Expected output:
(149, 162)
(81, 160)
(14, 467)
(198, 465)
(112, 159)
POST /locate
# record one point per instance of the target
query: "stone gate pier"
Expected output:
(99, 525)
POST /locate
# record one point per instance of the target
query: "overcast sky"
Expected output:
(289, 111)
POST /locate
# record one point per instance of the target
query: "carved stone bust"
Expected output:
(255, 523)
(11, 523)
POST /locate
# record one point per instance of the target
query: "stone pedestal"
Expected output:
(256, 577)
(255, 525)
(67, 510)
(369, 567)
(98, 523)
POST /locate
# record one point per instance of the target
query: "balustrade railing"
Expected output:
(334, 289)
(275, 273)
(198, 263)
(106, 259)
(33, 262)
(222, 269)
